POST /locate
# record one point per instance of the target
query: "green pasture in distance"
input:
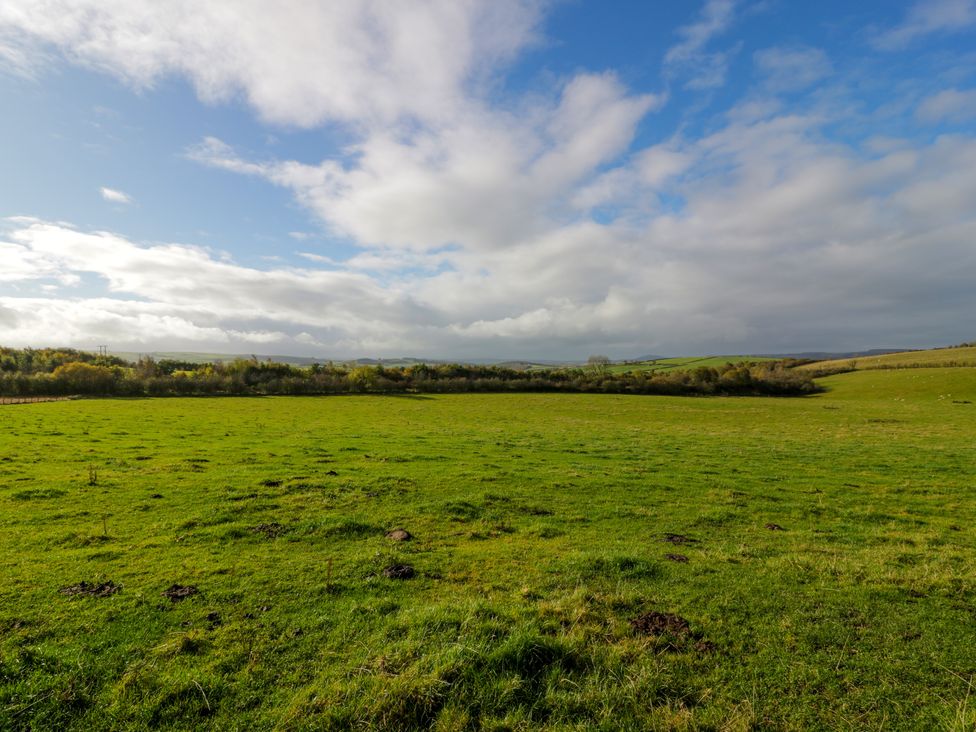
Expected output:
(829, 581)
(936, 357)
(684, 363)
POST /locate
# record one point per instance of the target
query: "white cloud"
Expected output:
(950, 105)
(924, 18)
(485, 182)
(791, 68)
(296, 62)
(689, 58)
(782, 241)
(526, 226)
(17, 57)
(114, 196)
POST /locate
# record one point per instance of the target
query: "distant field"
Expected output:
(684, 362)
(820, 550)
(906, 359)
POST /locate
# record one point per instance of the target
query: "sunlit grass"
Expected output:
(684, 363)
(539, 526)
(936, 357)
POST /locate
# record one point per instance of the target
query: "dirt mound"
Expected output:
(676, 557)
(399, 535)
(774, 527)
(399, 571)
(92, 589)
(177, 593)
(671, 632)
(656, 624)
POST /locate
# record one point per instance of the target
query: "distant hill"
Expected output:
(195, 357)
(824, 359)
(831, 355)
(651, 357)
(935, 357)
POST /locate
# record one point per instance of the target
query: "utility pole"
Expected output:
(103, 350)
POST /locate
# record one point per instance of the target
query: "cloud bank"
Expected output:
(783, 241)
(496, 224)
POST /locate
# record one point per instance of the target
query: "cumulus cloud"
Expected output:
(114, 196)
(782, 240)
(296, 62)
(485, 182)
(924, 18)
(493, 225)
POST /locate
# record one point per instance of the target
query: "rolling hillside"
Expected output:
(937, 357)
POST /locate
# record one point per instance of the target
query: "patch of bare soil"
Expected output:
(656, 624)
(671, 632)
(676, 557)
(271, 530)
(399, 571)
(92, 589)
(774, 527)
(177, 593)
(679, 539)
(399, 535)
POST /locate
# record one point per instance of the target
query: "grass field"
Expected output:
(829, 581)
(683, 363)
(936, 357)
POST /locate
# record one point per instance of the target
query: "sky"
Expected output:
(487, 178)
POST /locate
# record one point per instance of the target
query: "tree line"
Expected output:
(55, 372)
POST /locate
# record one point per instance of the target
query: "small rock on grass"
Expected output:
(399, 535)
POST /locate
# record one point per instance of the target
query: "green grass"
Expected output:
(683, 363)
(937, 357)
(539, 523)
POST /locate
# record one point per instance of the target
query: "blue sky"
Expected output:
(487, 179)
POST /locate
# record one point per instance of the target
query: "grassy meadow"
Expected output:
(813, 560)
(683, 363)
